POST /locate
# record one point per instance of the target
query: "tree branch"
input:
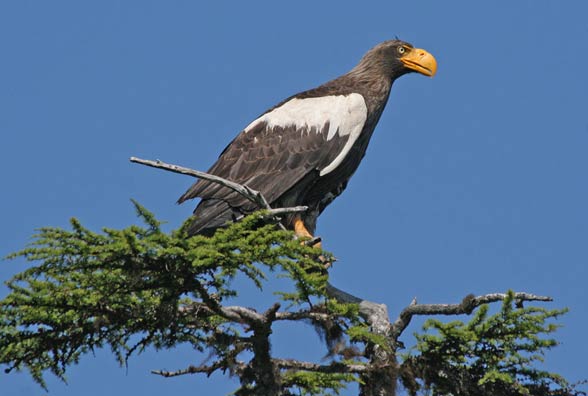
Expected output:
(252, 195)
(282, 211)
(468, 304)
(248, 315)
(301, 315)
(206, 369)
(234, 313)
(335, 367)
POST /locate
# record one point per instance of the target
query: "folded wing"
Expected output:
(277, 151)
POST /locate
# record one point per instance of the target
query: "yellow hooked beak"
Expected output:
(420, 61)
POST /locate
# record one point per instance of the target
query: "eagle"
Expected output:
(304, 150)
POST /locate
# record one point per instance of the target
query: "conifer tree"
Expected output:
(141, 287)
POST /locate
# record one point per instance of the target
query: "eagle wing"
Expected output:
(278, 150)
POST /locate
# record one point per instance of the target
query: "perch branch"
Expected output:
(282, 211)
(468, 304)
(252, 195)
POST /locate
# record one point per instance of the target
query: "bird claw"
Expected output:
(326, 262)
(314, 241)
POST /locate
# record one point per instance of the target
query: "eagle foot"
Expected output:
(326, 262)
(314, 242)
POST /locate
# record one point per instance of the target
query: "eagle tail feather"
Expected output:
(211, 214)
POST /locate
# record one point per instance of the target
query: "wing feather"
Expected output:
(279, 149)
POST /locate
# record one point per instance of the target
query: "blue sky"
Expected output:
(474, 182)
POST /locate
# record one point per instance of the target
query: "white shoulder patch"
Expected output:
(346, 115)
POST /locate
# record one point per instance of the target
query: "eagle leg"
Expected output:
(301, 231)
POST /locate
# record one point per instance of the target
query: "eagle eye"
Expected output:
(401, 50)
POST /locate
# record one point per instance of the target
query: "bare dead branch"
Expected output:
(190, 370)
(252, 195)
(206, 369)
(270, 315)
(467, 305)
(519, 296)
(248, 315)
(335, 367)
(282, 211)
(301, 315)
(234, 313)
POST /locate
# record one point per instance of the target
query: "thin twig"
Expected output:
(239, 366)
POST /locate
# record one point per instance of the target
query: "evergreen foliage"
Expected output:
(140, 287)
(489, 355)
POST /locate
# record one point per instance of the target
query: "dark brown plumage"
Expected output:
(304, 150)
